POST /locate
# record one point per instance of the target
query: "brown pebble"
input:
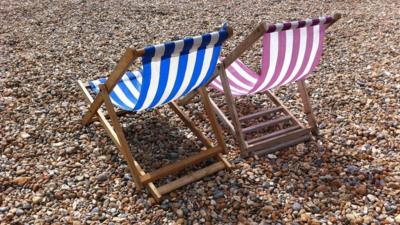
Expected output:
(21, 180)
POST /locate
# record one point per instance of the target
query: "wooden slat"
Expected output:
(282, 145)
(336, 17)
(285, 109)
(244, 45)
(279, 139)
(224, 160)
(301, 86)
(178, 166)
(233, 112)
(119, 113)
(212, 118)
(261, 113)
(274, 134)
(124, 147)
(266, 124)
(102, 118)
(189, 123)
(222, 116)
(115, 76)
(150, 186)
(191, 177)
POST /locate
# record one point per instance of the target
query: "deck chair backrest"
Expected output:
(291, 51)
(173, 69)
(169, 71)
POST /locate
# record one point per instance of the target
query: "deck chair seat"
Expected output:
(241, 79)
(125, 93)
(169, 71)
(291, 52)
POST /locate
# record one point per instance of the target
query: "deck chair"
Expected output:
(291, 51)
(168, 71)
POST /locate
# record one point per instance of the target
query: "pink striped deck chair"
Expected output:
(291, 51)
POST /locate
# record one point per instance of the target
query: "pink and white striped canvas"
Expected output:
(291, 51)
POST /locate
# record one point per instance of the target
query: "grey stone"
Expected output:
(218, 194)
(102, 177)
(19, 212)
(296, 206)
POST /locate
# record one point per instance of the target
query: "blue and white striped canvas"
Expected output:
(170, 70)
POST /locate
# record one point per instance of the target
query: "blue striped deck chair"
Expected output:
(169, 71)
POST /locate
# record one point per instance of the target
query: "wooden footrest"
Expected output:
(273, 134)
(187, 179)
(261, 113)
(266, 124)
(282, 145)
(178, 166)
(280, 141)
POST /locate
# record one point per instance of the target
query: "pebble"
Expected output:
(27, 206)
(397, 219)
(102, 177)
(25, 135)
(361, 189)
(127, 176)
(19, 212)
(3, 209)
(180, 221)
(58, 144)
(218, 194)
(371, 198)
(179, 212)
(21, 180)
(20, 172)
(37, 199)
(296, 206)
(305, 217)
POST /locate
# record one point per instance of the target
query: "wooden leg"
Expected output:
(190, 124)
(232, 110)
(121, 137)
(307, 107)
(222, 116)
(212, 118)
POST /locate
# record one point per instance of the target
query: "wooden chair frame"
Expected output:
(273, 141)
(115, 131)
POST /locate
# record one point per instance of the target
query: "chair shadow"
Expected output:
(158, 137)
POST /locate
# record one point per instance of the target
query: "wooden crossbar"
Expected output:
(178, 166)
(266, 124)
(190, 124)
(285, 109)
(279, 139)
(100, 114)
(285, 144)
(187, 179)
(261, 113)
(122, 66)
(222, 116)
(274, 134)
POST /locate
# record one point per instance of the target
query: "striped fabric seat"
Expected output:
(291, 51)
(169, 71)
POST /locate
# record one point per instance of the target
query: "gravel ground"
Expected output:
(54, 171)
